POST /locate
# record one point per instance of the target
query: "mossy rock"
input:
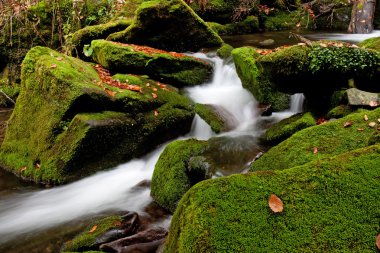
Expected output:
(177, 69)
(84, 36)
(254, 79)
(330, 205)
(86, 241)
(157, 25)
(313, 143)
(67, 124)
(224, 51)
(280, 21)
(339, 111)
(210, 114)
(172, 177)
(372, 43)
(216, 10)
(249, 25)
(287, 127)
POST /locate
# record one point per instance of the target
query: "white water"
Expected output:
(349, 37)
(113, 190)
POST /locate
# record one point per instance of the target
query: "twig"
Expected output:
(301, 38)
(7, 97)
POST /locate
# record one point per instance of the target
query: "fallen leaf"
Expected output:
(110, 92)
(347, 124)
(360, 129)
(155, 113)
(321, 121)
(92, 230)
(372, 124)
(322, 44)
(315, 150)
(117, 223)
(147, 84)
(38, 165)
(373, 103)
(23, 168)
(53, 66)
(154, 95)
(154, 89)
(59, 59)
(378, 120)
(378, 241)
(366, 117)
(275, 204)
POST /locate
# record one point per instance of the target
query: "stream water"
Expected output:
(40, 220)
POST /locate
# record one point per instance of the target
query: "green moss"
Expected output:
(87, 240)
(281, 21)
(330, 139)
(256, 81)
(224, 51)
(339, 112)
(179, 70)
(170, 179)
(248, 25)
(78, 116)
(208, 114)
(372, 43)
(330, 205)
(216, 10)
(287, 127)
(84, 36)
(156, 25)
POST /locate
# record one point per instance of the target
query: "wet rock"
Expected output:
(157, 23)
(145, 240)
(219, 119)
(358, 97)
(265, 109)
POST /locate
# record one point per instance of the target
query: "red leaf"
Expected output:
(275, 204)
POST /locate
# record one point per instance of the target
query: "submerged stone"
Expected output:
(169, 25)
(328, 204)
(67, 123)
(176, 69)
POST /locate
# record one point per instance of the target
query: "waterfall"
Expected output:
(296, 103)
(114, 189)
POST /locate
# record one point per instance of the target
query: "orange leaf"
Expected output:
(275, 204)
(321, 121)
(347, 124)
(23, 168)
(378, 241)
(154, 95)
(154, 89)
(92, 230)
(110, 92)
(315, 150)
(360, 129)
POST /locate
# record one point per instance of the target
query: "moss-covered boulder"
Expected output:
(287, 127)
(87, 240)
(372, 43)
(249, 25)
(216, 10)
(75, 43)
(173, 176)
(169, 25)
(224, 51)
(313, 143)
(330, 205)
(177, 69)
(68, 123)
(253, 79)
(339, 111)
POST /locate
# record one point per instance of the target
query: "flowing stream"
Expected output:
(24, 214)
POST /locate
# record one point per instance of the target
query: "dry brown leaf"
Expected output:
(110, 92)
(360, 129)
(372, 124)
(154, 89)
(347, 124)
(378, 241)
(366, 117)
(154, 95)
(117, 223)
(315, 150)
(59, 59)
(38, 165)
(53, 66)
(373, 103)
(155, 113)
(275, 204)
(93, 229)
(147, 84)
(23, 168)
(322, 44)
